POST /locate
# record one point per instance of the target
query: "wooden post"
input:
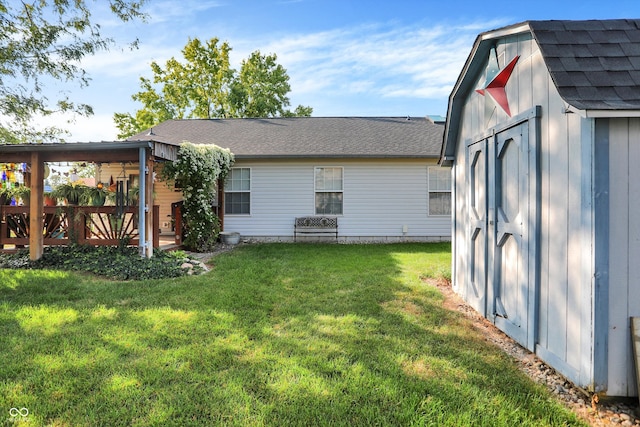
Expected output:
(635, 343)
(36, 212)
(156, 226)
(3, 228)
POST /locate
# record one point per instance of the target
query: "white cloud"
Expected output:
(99, 127)
(377, 59)
(337, 69)
(172, 11)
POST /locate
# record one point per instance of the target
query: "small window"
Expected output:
(328, 190)
(439, 191)
(237, 192)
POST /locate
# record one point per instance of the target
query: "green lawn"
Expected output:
(275, 334)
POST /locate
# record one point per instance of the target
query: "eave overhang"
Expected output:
(111, 151)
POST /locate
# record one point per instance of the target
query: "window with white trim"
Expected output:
(237, 192)
(439, 190)
(328, 190)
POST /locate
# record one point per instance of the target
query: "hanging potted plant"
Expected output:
(72, 192)
(96, 196)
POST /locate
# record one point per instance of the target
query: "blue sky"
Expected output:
(344, 57)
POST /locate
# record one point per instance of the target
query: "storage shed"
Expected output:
(543, 133)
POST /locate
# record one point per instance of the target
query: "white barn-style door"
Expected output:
(499, 187)
(476, 290)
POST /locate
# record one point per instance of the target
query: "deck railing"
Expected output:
(64, 225)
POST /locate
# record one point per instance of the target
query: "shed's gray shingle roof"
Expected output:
(380, 137)
(594, 64)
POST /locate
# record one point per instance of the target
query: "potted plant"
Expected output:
(22, 192)
(72, 192)
(49, 199)
(134, 195)
(96, 196)
(6, 194)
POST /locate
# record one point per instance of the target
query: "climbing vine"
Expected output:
(198, 169)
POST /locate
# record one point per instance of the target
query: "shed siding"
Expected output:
(624, 246)
(565, 216)
(380, 198)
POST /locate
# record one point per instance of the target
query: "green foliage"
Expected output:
(261, 88)
(96, 196)
(198, 169)
(44, 40)
(205, 86)
(73, 192)
(17, 191)
(115, 262)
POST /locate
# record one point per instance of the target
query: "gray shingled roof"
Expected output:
(379, 137)
(594, 64)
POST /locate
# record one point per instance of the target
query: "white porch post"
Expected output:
(145, 234)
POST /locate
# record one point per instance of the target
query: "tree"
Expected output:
(260, 90)
(205, 86)
(44, 40)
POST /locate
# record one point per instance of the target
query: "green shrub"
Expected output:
(198, 169)
(121, 263)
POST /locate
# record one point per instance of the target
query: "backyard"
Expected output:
(274, 334)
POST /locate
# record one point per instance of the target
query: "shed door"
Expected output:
(498, 285)
(510, 267)
(477, 183)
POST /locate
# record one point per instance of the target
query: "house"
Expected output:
(543, 134)
(379, 176)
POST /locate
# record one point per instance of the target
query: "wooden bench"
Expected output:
(316, 226)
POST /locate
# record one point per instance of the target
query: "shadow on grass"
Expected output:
(274, 335)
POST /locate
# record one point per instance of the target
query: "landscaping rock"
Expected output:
(598, 413)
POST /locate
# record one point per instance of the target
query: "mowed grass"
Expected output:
(275, 334)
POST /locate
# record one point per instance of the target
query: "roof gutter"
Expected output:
(329, 156)
(596, 114)
(73, 146)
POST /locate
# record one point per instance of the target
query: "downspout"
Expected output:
(220, 190)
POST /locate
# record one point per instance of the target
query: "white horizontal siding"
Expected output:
(380, 198)
(279, 193)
